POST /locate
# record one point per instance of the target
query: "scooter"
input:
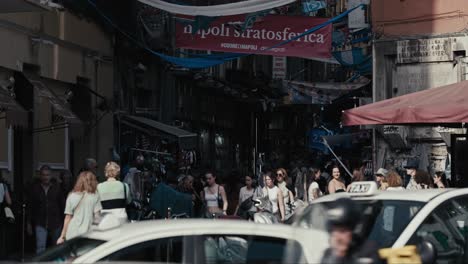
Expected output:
(264, 213)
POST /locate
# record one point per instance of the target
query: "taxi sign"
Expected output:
(363, 188)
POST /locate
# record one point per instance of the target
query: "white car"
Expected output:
(193, 241)
(396, 218)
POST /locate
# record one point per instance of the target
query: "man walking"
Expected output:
(46, 207)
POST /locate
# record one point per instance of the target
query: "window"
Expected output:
(160, 250)
(69, 251)
(446, 228)
(250, 249)
(382, 220)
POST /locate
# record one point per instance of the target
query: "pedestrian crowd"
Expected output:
(63, 208)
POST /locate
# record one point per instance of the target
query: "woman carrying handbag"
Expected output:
(214, 197)
(81, 208)
(5, 202)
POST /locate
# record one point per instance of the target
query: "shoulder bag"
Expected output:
(8, 213)
(79, 203)
(220, 200)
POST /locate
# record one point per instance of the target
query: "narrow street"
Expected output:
(233, 131)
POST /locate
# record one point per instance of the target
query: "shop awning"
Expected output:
(185, 139)
(61, 108)
(18, 6)
(441, 105)
(14, 114)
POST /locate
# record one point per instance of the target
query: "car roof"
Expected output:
(189, 227)
(403, 195)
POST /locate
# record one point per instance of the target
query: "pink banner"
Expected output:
(267, 32)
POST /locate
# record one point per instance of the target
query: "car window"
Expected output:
(69, 251)
(381, 223)
(250, 249)
(446, 228)
(168, 250)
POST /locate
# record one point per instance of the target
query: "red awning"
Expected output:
(445, 104)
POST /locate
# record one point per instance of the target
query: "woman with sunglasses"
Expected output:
(214, 197)
(288, 196)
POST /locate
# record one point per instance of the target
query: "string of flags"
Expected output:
(310, 7)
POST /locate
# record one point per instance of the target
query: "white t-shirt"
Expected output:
(83, 216)
(314, 185)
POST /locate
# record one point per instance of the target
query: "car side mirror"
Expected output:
(428, 252)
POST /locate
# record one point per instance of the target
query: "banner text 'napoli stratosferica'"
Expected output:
(269, 31)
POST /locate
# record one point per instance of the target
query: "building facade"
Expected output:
(57, 70)
(419, 45)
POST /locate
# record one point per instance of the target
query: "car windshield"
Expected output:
(69, 251)
(381, 224)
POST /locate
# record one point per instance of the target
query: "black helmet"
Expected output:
(343, 212)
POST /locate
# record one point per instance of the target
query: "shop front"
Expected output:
(164, 147)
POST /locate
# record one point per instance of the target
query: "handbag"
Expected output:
(7, 212)
(220, 200)
(10, 217)
(247, 204)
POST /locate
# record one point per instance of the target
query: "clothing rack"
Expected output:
(151, 151)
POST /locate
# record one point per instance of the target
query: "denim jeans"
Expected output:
(41, 237)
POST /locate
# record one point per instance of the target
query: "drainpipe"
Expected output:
(96, 127)
(374, 137)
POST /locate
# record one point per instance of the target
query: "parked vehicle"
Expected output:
(192, 241)
(398, 218)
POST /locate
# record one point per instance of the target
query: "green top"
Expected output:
(113, 190)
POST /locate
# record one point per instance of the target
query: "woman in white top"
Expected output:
(275, 196)
(288, 196)
(81, 208)
(214, 196)
(245, 193)
(313, 191)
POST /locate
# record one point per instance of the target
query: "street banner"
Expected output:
(309, 6)
(224, 35)
(317, 93)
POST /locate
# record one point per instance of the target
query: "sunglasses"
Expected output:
(279, 174)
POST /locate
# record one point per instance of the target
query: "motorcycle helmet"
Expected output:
(344, 213)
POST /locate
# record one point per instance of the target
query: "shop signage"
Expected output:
(391, 130)
(279, 68)
(424, 50)
(224, 35)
